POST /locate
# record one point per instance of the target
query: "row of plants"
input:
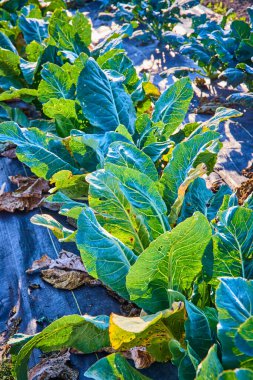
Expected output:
(222, 49)
(127, 168)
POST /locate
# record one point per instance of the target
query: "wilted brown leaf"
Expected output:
(69, 280)
(54, 366)
(141, 358)
(65, 272)
(29, 195)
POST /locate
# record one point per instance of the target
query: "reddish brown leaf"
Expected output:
(29, 195)
(65, 272)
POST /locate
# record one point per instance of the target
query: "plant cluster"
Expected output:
(127, 168)
(156, 18)
(223, 51)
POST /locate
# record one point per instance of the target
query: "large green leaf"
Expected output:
(197, 330)
(56, 83)
(127, 155)
(44, 155)
(210, 367)
(233, 244)
(142, 193)
(33, 29)
(234, 301)
(180, 165)
(172, 261)
(122, 64)
(72, 35)
(115, 213)
(113, 367)
(9, 70)
(104, 256)
(150, 331)
(62, 233)
(173, 105)
(104, 103)
(84, 333)
(200, 198)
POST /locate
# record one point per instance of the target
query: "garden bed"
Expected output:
(39, 280)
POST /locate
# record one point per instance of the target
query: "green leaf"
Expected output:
(113, 367)
(240, 29)
(9, 70)
(44, 155)
(84, 333)
(64, 113)
(237, 374)
(150, 331)
(233, 244)
(73, 186)
(25, 94)
(33, 29)
(210, 367)
(234, 301)
(104, 256)
(127, 155)
(122, 64)
(115, 213)
(176, 208)
(197, 330)
(172, 261)
(142, 193)
(173, 104)
(82, 25)
(244, 337)
(180, 165)
(71, 35)
(6, 43)
(56, 83)
(62, 233)
(104, 103)
(69, 207)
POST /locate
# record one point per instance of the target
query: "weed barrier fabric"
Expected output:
(30, 300)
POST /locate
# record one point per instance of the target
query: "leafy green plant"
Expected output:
(222, 51)
(130, 172)
(156, 18)
(138, 235)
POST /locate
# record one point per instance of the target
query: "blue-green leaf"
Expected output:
(172, 261)
(113, 367)
(104, 103)
(104, 256)
(173, 104)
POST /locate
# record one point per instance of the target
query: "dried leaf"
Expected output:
(141, 358)
(69, 280)
(66, 272)
(54, 367)
(30, 192)
(67, 260)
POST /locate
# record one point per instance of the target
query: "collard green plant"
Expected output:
(155, 17)
(221, 50)
(123, 164)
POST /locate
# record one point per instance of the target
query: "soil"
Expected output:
(246, 187)
(239, 6)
